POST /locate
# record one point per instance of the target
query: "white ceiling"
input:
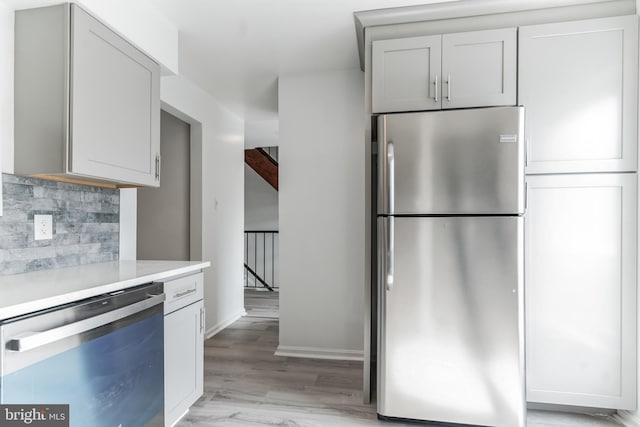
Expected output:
(236, 49)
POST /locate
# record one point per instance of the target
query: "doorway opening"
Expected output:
(261, 259)
(164, 227)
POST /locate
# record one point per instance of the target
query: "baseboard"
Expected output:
(570, 408)
(319, 353)
(628, 419)
(221, 325)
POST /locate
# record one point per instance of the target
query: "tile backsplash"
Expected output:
(85, 224)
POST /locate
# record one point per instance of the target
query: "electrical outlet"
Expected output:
(43, 227)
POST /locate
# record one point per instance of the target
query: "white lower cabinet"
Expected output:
(580, 281)
(184, 346)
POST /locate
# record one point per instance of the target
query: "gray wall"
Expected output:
(85, 224)
(163, 213)
(260, 202)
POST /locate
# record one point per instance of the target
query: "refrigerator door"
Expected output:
(450, 334)
(452, 162)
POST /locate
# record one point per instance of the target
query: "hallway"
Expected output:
(246, 385)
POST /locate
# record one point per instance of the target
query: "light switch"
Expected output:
(43, 227)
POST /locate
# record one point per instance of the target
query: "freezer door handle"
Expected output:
(389, 252)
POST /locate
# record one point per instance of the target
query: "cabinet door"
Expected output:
(183, 360)
(115, 106)
(406, 74)
(578, 84)
(479, 68)
(580, 284)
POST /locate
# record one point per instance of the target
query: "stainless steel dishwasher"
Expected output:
(102, 356)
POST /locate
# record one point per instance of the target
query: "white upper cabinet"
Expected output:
(406, 74)
(456, 70)
(87, 101)
(479, 68)
(117, 138)
(578, 84)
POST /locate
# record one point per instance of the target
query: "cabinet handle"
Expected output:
(449, 87)
(158, 161)
(184, 293)
(202, 320)
(435, 83)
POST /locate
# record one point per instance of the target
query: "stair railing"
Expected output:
(261, 259)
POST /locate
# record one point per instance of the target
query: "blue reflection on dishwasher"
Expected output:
(114, 380)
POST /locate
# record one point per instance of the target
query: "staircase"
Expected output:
(265, 162)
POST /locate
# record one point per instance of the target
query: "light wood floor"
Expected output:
(246, 385)
(259, 303)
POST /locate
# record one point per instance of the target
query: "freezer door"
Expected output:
(451, 325)
(452, 162)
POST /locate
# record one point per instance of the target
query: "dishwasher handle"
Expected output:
(30, 340)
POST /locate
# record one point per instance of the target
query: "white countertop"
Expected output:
(38, 290)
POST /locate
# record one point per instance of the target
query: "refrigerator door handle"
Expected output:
(390, 177)
(390, 253)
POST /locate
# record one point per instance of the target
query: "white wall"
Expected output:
(128, 223)
(322, 215)
(6, 89)
(632, 418)
(260, 202)
(217, 144)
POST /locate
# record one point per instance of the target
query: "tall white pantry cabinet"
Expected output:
(578, 84)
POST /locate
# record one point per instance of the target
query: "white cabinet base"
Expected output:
(580, 284)
(183, 371)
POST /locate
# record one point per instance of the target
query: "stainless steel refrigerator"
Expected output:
(450, 258)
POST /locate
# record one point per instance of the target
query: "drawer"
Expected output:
(182, 291)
